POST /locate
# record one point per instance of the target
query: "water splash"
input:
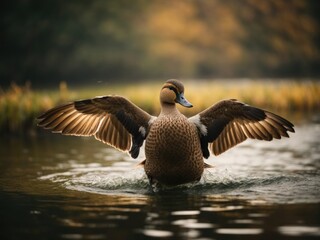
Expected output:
(133, 181)
(110, 180)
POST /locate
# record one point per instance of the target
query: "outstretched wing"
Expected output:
(230, 122)
(111, 119)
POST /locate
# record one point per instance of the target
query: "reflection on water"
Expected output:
(56, 187)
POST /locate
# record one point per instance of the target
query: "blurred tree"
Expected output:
(234, 38)
(281, 37)
(79, 40)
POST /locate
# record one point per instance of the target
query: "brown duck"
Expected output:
(175, 146)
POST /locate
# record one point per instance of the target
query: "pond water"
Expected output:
(58, 187)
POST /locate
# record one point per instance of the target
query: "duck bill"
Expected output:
(183, 101)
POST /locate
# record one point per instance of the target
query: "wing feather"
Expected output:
(230, 122)
(113, 120)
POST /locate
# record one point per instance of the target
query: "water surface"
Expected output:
(58, 187)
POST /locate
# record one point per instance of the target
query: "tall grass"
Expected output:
(19, 105)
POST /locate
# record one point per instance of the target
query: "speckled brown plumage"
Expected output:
(174, 145)
(173, 152)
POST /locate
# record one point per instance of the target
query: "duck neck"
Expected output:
(168, 109)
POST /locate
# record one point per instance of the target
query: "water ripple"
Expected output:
(274, 188)
(278, 171)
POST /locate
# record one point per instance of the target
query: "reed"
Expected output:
(19, 105)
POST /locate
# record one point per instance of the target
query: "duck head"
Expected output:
(173, 92)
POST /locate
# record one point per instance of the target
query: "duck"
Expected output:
(175, 145)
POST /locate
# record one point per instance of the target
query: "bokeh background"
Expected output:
(266, 53)
(45, 42)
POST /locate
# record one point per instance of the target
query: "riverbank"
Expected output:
(20, 105)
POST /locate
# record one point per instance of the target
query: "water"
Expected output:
(58, 187)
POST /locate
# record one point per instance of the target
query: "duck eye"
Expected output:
(173, 89)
